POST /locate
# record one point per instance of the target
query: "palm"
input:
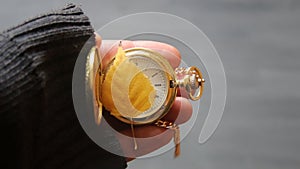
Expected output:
(149, 137)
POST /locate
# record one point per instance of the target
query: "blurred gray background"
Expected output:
(259, 44)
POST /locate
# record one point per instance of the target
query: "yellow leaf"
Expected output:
(126, 90)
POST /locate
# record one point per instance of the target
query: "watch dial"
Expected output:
(157, 76)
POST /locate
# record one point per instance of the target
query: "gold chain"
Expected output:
(176, 136)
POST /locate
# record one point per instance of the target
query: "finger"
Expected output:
(166, 50)
(180, 112)
(149, 138)
(109, 49)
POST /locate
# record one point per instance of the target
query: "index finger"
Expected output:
(109, 48)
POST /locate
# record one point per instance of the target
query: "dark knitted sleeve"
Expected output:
(38, 125)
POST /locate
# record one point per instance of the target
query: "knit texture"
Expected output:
(38, 125)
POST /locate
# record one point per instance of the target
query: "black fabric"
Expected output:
(38, 125)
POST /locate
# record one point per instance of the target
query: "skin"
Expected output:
(179, 113)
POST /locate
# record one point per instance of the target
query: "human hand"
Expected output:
(179, 113)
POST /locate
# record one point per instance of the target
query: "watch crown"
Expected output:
(191, 80)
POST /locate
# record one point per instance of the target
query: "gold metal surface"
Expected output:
(94, 81)
(190, 79)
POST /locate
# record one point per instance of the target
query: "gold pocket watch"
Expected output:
(139, 87)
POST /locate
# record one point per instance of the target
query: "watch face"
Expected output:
(157, 76)
(160, 74)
